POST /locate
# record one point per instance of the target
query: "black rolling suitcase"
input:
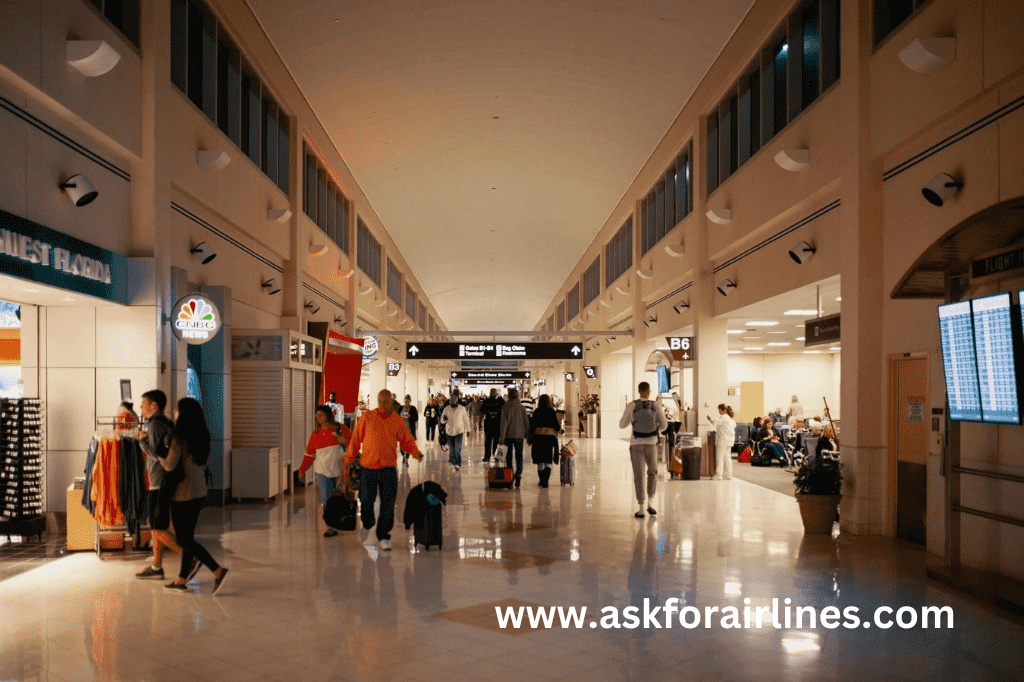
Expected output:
(429, 529)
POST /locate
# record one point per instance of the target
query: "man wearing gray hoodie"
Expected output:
(515, 425)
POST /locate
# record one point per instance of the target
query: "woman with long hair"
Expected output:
(324, 453)
(190, 450)
(544, 428)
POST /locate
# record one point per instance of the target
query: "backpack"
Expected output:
(645, 419)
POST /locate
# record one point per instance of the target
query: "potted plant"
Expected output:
(819, 483)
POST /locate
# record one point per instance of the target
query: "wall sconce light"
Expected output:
(651, 319)
(345, 274)
(680, 307)
(606, 303)
(91, 58)
(79, 189)
(942, 187)
(204, 252)
(365, 289)
(793, 159)
(726, 286)
(278, 215)
(675, 249)
(271, 286)
(802, 252)
(622, 289)
(317, 249)
(645, 274)
(212, 160)
(312, 307)
(393, 312)
(382, 302)
(720, 216)
(925, 55)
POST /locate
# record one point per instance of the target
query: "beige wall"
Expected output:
(810, 377)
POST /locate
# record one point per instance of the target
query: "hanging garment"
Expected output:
(105, 479)
(90, 463)
(131, 483)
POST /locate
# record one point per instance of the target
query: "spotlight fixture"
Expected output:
(612, 339)
(926, 55)
(720, 216)
(91, 58)
(312, 307)
(680, 307)
(212, 159)
(79, 190)
(340, 321)
(204, 252)
(651, 319)
(278, 215)
(941, 188)
(726, 286)
(272, 286)
(802, 252)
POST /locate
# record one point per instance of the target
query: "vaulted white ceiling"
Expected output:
(494, 137)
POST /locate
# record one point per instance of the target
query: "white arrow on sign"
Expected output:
(575, 350)
(413, 350)
(527, 375)
(454, 374)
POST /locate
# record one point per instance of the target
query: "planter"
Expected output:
(818, 512)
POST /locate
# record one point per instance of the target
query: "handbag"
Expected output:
(568, 450)
(340, 512)
(352, 476)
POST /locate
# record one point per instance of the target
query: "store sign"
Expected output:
(822, 331)
(394, 368)
(195, 319)
(590, 371)
(370, 346)
(489, 351)
(496, 375)
(682, 348)
(36, 253)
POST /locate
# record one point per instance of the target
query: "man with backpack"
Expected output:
(646, 420)
(492, 422)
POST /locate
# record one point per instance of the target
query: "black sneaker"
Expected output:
(650, 510)
(151, 572)
(175, 587)
(219, 582)
(196, 565)
(330, 533)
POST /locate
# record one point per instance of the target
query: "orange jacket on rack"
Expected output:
(377, 434)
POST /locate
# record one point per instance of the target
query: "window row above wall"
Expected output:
(122, 15)
(208, 69)
(668, 202)
(324, 202)
(799, 63)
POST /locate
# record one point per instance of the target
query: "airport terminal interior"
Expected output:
(647, 228)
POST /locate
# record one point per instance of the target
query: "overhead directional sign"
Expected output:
(491, 351)
(590, 371)
(496, 375)
(491, 382)
(681, 347)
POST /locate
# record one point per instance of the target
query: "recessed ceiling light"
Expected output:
(735, 331)
(750, 338)
(778, 332)
(839, 298)
(801, 338)
(812, 352)
(799, 326)
(754, 348)
(779, 343)
(762, 323)
(835, 348)
(69, 300)
(801, 311)
(735, 352)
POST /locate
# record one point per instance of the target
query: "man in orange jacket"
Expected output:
(376, 434)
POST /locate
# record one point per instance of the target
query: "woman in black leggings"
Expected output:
(189, 452)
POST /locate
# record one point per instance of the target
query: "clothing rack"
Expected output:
(119, 536)
(21, 468)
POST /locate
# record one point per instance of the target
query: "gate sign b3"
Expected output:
(682, 348)
(394, 368)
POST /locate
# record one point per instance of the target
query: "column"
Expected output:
(216, 387)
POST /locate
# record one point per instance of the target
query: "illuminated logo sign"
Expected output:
(196, 319)
(370, 346)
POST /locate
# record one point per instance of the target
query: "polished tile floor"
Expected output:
(298, 606)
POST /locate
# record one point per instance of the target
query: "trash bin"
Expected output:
(687, 457)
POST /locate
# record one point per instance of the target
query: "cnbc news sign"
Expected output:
(36, 253)
(196, 319)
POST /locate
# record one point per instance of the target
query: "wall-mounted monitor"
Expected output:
(664, 385)
(959, 361)
(994, 348)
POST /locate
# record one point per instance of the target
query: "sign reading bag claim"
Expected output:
(195, 319)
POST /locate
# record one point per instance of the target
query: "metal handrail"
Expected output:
(988, 474)
(988, 515)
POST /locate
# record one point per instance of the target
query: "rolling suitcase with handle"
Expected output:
(567, 471)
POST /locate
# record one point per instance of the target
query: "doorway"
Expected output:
(908, 439)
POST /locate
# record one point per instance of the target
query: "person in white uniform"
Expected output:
(725, 436)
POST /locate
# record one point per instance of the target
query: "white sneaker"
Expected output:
(363, 534)
(456, 468)
(716, 477)
(385, 545)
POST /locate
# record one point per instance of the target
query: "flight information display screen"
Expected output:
(993, 343)
(958, 361)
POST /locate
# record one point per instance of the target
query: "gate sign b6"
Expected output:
(682, 347)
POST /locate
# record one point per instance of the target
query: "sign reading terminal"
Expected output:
(491, 351)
